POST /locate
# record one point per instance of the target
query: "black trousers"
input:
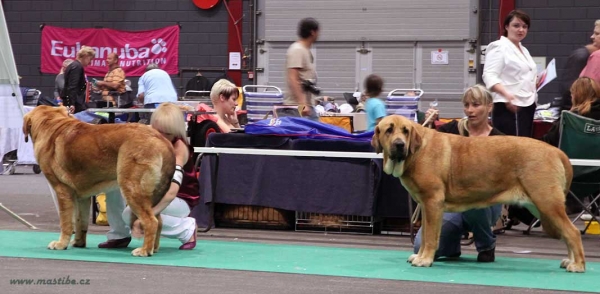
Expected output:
(510, 123)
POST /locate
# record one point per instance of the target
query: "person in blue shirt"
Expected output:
(375, 107)
(155, 87)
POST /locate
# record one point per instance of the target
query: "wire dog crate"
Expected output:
(334, 223)
(254, 217)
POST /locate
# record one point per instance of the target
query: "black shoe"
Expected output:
(487, 256)
(115, 243)
(449, 257)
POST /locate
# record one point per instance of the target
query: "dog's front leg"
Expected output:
(432, 211)
(65, 197)
(82, 215)
(423, 228)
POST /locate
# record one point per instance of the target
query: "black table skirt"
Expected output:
(344, 186)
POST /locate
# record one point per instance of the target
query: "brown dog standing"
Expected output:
(80, 160)
(445, 172)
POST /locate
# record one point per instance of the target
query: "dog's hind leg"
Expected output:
(150, 224)
(142, 208)
(65, 197)
(158, 231)
(556, 223)
(82, 215)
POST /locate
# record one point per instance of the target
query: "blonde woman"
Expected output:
(59, 81)
(75, 83)
(175, 207)
(478, 103)
(224, 96)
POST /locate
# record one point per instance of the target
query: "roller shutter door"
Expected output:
(392, 38)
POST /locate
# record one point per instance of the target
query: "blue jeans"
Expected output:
(149, 114)
(454, 225)
(294, 112)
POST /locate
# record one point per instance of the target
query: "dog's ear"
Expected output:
(415, 140)
(375, 141)
(26, 127)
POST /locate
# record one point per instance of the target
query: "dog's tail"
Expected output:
(568, 168)
(167, 170)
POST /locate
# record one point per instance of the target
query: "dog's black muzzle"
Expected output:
(397, 150)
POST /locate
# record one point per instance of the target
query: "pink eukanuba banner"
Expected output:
(136, 49)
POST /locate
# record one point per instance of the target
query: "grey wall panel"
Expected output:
(447, 77)
(398, 35)
(395, 63)
(336, 65)
(377, 20)
(275, 70)
(445, 83)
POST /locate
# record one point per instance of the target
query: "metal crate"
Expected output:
(398, 226)
(256, 217)
(334, 223)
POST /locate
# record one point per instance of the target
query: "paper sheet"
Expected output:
(547, 75)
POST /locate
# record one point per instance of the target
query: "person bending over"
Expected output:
(175, 207)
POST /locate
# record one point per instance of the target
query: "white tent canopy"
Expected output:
(11, 101)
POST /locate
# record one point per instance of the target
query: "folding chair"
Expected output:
(260, 104)
(580, 139)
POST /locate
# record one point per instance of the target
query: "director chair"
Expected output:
(580, 139)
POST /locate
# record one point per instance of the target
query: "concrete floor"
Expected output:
(28, 195)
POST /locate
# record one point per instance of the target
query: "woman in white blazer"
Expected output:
(511, 74)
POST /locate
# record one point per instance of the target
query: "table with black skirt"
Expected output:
(341, 186)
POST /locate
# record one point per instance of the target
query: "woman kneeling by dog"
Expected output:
(175, 206)
(477, 102)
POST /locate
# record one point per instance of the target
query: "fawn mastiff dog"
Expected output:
(446, 172)
(80, 160)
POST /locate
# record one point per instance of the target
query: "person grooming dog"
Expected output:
(183, 194)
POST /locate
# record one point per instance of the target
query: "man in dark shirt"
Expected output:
(575, 64)
(73, 93)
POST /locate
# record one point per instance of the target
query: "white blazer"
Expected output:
(504, 64)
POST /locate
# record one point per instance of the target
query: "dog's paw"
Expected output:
(412, 257)
(78, 243)
(565, 262)
(575, 268)
(422, 262)
(57, 245)
(141, 252)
